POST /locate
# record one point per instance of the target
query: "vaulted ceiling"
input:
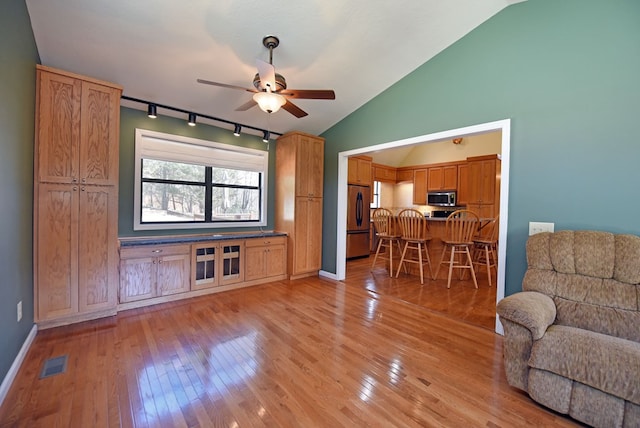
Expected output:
(156, 49)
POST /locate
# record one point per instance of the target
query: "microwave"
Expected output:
(442, 199)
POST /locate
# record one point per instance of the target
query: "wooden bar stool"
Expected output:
(485, 248)
(415, 234)
(383, 221)
(460, 228)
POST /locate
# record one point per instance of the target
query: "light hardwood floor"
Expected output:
(306, 353)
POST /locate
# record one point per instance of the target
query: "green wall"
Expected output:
(18, 57)
(130, 119)
(567, 73)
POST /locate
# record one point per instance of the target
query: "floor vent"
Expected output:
(54, 366)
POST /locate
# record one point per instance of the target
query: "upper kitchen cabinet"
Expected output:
(359, 170)
(420, 186)
(462, 197)
(443, 177)
(404, 175)
(484, 185)
(78, 118)
(384, 173)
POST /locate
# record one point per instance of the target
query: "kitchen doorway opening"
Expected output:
(503, 126)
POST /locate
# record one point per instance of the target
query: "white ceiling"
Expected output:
(156, 49)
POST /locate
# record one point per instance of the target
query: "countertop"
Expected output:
(131, 241)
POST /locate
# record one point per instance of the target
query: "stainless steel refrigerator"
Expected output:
(358, 221)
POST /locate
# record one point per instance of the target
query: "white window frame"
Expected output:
(178, 148)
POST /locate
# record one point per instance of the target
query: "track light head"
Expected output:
(192, 119)
(236, 130)
(152, 111)
(265, 137)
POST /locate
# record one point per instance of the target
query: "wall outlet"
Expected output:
(538, 227)
(19, 310)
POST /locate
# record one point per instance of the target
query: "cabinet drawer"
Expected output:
(154, 251)
(261, 242)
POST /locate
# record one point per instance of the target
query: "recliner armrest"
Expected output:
(533, 310)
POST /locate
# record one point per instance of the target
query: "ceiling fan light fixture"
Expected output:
(236, 130)
(269, 102)
(192, 119)
(152, 111)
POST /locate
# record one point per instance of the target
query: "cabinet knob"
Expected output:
(84, 180)
(156, 251)
(82, 188)
(75, 188)
(74, 180)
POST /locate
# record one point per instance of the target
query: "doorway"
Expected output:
(504, 126)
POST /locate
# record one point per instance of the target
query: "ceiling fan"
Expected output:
(271, 91)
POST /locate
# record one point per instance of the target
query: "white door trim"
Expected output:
(341, 216)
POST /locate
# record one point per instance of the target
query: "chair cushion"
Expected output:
(607, 363)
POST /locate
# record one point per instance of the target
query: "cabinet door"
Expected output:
(475, 182)
(231, 262)
(403, 175)
(98, 251)
(276, 260)
(307, 254)
(173, 273)
(57, 249)
(487, 182)
(256, 266)
(383, 173)
(359, 171)
(435, 179)
(463, 185)
(420, 187)
(137, 278)
(309, 166)
(204, 265)
(99, 132)
(450, 177)
(58, 127)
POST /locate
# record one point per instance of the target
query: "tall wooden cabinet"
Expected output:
(75, 197)
(299, 185)
(484, 185)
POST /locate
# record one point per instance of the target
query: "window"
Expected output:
(183, 182)
(375, 201)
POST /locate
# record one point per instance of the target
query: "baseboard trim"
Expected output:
(325, 274)
(13, 370)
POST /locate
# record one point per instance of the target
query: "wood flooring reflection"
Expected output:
(306, 353)
(462, 301)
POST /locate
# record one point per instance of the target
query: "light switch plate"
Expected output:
(539, 227)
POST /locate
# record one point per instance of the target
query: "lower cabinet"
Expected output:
(217, 263)
(153, 271)
(265, 258)
(151, 274)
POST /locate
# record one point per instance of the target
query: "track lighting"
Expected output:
(152, 111)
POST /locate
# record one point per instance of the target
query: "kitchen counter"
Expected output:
(188, 239)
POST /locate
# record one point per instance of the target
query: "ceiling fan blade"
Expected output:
(294, 109)
(267, 74)
(310, 94)
(247, 105)
(224, 85)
